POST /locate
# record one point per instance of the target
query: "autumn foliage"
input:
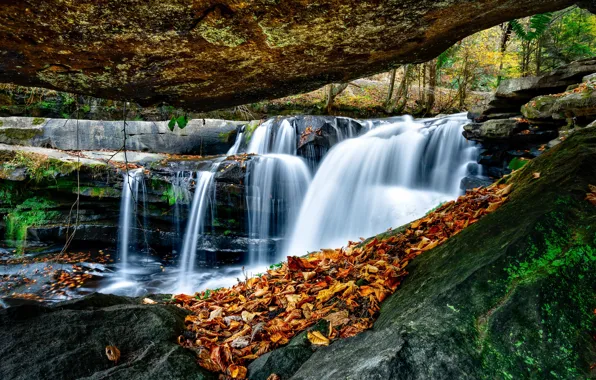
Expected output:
(229, 328)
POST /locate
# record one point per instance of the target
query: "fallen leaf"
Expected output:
(237, 372)
(113, 353)
(317, 339)
(148, 301)
(338, 318)
(248, 316)
(536, 175)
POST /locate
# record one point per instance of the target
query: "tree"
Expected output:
(332, 91)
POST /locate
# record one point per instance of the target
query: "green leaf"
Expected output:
(182, 121)
(172, 124)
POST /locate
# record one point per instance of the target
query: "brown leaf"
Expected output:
(113, 353)
(148, 301)
(317, 339)
(337, 319)
(274, 376)
(536, 175)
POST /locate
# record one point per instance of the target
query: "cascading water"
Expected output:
(236, 147)
(377, 181)
(277, 182)
(259, 141)
(276, 186)
(128, 215)
(194, 229)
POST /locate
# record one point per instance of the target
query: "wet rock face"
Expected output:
(208, 55)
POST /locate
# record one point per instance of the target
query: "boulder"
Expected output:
(540, 107)
(210, 55)
(493, 130)
(577, 105)
(509, 297)
(69, 341)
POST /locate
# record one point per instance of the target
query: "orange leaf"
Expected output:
(113, 353)
(237, 372)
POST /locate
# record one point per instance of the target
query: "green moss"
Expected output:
(21, 134)
(518, 163)
(38, 121)
(99, 192)
(221, 35)
(226, 137)
(32, 212)
(40, 167)
(278, 36)
(250, 129)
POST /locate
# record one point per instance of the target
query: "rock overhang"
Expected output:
(205, 55)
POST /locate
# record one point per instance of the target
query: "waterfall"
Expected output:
(368, 184)
(128, 214)
(277, 181)
(194, 229)
(285, 139)
(276, 186)
(236, 147)
(259, 141)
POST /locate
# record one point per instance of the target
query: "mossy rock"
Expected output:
(510, 297)
(539, 108)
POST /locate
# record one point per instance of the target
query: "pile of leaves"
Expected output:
(228, 328)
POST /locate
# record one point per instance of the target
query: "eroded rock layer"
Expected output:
(208, 55)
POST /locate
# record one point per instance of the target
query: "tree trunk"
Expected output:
(539, 57)
(332, 92)
(391, 86)
(432, 84)
(402, 91)
(507, 30)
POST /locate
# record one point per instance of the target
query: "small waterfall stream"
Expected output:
(127, 233)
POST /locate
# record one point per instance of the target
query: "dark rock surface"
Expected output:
(510, 297)
(69, 341)
(209, 55)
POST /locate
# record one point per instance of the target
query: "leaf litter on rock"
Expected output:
(231, 327)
